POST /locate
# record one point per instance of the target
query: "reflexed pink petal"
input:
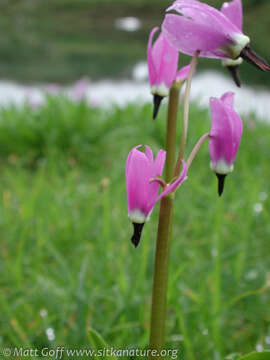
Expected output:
(140, 169)
(234, 11)
(183, 73)
(149, 153)
(150, 60)
(165, 58)
(221, 133)
(228, 98)
(157, 52)
(134, 155)
(129, 157)
(226, 130)
(205, 15)
(169, 63)
(202, 27)
(137, 175)
(162, 59)
(193, 37)
(159, 163)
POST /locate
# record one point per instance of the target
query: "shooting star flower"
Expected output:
(216, 34)
(143, 179)
(234, 12)
(225, 136)
(162, 60)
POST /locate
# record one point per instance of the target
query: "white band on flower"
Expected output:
(230, 62)
(241, 41)
(221, 167)
(138, 217)
(160, 90)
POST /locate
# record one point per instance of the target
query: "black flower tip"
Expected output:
(234, 70)
(157, 101)
(221, 181)
(136, 237)
(254, 59)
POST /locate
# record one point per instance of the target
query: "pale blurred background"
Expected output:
(66, 260)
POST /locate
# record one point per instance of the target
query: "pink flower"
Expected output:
(225, 136)
(162, 59)
(233, 10)
(142, 181)
(216, 34)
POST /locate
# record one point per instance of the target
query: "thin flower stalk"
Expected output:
(185, 114)
(196, 149)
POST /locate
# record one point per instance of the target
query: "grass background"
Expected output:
(65, 237)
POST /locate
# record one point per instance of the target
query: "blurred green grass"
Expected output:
(67, 262)
(61, 41)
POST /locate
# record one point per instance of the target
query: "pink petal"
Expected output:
(235, 119)
(206, 15)
(131, 153)
(221, 133)
(157, 52)
(165, 58)
(226, 131)
(140, 169)
(234, 11)
(204, 28)
(182, 74)
(228, 98)
(228, 101)
(137, 179)
(159, 163)
(149, 153)
(150, 61)
(188, 37)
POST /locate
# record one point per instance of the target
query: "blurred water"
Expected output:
(106, 93)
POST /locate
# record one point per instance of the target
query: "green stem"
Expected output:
(159, 292)
(217, 282)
